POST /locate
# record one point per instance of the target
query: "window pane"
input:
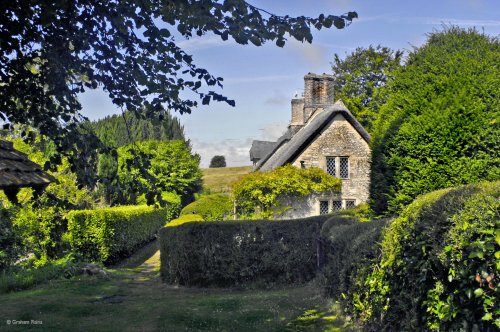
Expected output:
(330, 166)
(349, 204)
(323, 207)
(337, 205)
(344, 167)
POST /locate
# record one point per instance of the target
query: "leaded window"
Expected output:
(336, 205)
(350, 203)
(330, 166)
(323, 207)
(344, 167)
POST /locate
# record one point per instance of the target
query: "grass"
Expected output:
(218, 180)
(134, 299)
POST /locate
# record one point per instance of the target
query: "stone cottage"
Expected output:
(322, 133)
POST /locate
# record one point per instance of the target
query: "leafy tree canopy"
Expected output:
(53, 50)
(114, 130)
(359, 77)
(217, 162)
(166, 166)
(441, 124)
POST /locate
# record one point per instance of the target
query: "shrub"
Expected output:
(215, 207)
(17, 278)
(244, 253)
(184, 219)
(439, 268)
(349, 247)
(108, 234)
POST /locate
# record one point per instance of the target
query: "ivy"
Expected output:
(261, 195)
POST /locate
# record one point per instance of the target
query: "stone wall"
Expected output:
(340, 139)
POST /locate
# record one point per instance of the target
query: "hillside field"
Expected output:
(218, 180)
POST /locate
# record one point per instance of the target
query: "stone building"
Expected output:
(322, 133)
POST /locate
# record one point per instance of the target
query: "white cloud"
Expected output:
(199, 43)
(236, 151)
(273, 131)
(278, 98)
(258, 79)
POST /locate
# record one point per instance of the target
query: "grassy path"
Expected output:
(133, 298)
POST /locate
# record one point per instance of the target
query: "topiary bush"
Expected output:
(108, 234)
(240, 253)
(439, 268)
(214, 207)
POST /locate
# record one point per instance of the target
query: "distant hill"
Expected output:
(218, 180)
(113, 131)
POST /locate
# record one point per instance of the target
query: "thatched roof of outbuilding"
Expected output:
(291, 147)
(17, 171)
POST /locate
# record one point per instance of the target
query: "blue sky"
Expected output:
(263, 79)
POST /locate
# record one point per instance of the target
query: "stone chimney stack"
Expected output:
(318, 93)
(297, 111)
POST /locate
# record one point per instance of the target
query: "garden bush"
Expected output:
(184, 219)
(240, 253)
(439, 268)
(349, 247)
(215, 207)
(108, 234)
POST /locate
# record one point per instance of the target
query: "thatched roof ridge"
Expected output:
(17, 171)
(296, 144)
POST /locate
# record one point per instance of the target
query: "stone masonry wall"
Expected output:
(340, 139)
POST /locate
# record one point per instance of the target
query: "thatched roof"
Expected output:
(260, 149)
(290, 148)
(17, 171)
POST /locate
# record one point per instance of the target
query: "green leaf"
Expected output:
(488, 316)
(478, 292)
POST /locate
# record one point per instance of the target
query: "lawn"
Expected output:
(218, 180)
(134, 299)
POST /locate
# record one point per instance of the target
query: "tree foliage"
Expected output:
(53, 50)
(260, 195)
(166, 166)
(114, 130)
(218, 162)
(441, 124)
(359, 78)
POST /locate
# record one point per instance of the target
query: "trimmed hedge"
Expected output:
(184, 219)
(350, 246)
(214, 207)
(439, 267)
(109, 234)
(240, 253)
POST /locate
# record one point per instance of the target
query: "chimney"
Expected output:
(297, 111)
(318, 93)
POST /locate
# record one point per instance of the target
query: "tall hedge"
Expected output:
(439, 267)
(108, 234)
(350, 247)
(440, 126)
(240, 253)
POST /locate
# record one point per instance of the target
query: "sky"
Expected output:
(262, 80)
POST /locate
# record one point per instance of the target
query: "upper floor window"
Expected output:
(331, 166)
(338, 167)
(344, 167)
